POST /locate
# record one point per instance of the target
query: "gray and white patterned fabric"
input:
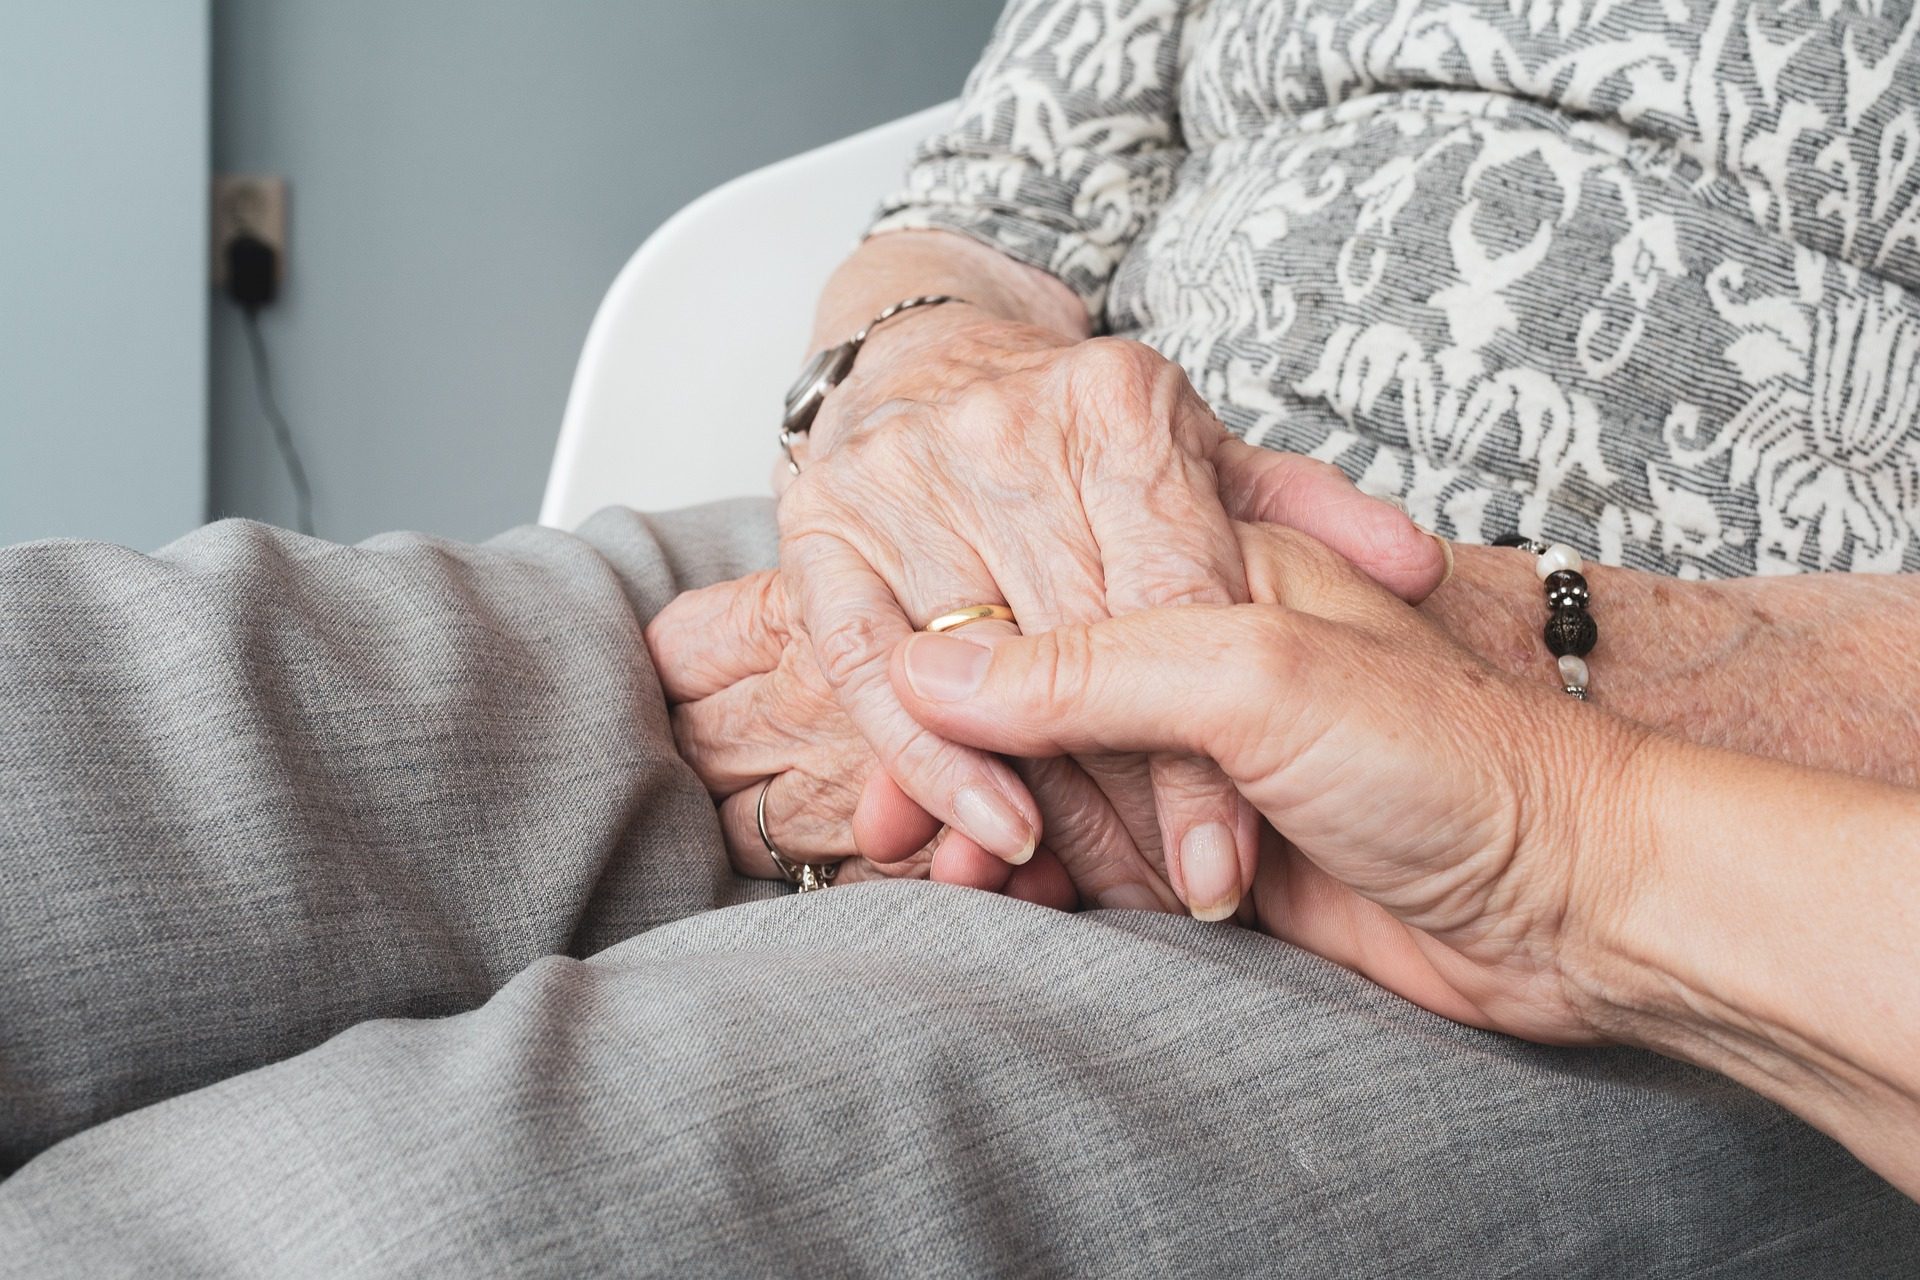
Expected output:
(1640, 275)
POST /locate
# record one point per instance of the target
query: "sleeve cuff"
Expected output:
(1076, 230)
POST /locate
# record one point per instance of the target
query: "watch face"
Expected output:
(819, 376)
(809, 374)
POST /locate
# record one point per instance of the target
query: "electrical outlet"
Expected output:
(246, 203)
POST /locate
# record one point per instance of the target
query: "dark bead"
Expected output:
(1571, 631)
(1566, 590)
(1520, 540)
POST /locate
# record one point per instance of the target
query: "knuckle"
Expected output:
(836, 797)
(766, 601)
(1278, 487)
(1190, 784)
(1079, 824)
(885, 442)
(1117, 359)
(1267, 633)
(757, 607)
(885, 423)
(990, 413)
(855, 410)
(1283, 473)
(694, 749)
(1073, 816)
(1306, 574)
(1164, 567)
(1137, 387)
(1061, 672)
(661, 640)
(885, 448)
(1264, 556)
(850, 652)
(1173, 586)
(805, 501)
(815, 808)
(921, 764)
(771, 710)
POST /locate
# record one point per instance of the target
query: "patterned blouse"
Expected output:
(1642, 276)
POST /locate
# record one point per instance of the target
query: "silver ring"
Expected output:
(805, 877)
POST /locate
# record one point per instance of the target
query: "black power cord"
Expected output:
(253, 281)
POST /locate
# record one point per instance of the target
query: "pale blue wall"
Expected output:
(466, 178)
(103, 252)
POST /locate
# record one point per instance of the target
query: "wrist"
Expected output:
(1666, 646)
(1491, 606)
(1585, 813)
(901, 264)
(923, 332)
(1585, 774)
(1614, 834)
(927, 356)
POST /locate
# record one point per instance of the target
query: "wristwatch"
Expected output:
(828, 369)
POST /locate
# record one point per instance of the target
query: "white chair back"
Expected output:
(677, 396)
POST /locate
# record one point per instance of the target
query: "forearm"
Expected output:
(904, 264)
(1766, 925)
(1803, 669)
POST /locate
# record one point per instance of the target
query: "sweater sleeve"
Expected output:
(1066, 142)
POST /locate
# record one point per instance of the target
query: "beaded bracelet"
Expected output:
(1571, 633)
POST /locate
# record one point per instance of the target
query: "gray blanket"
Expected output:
(356, 916)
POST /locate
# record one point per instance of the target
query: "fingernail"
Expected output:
(989, 818)
(1131, 897)
(945, 668)
(1446, 549)
(1211, 866)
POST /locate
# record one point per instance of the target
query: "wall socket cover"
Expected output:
(248, 203)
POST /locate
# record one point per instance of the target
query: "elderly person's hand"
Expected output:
(1493, 850)
(971, 459)
(751, 707)
(751, 711)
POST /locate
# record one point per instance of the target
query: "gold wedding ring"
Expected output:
(972, 613)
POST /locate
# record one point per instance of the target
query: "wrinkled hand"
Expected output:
(970, 460)
(1430, 812)
(751, 709)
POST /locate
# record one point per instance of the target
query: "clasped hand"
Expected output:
(971, 460)
(1417, 821)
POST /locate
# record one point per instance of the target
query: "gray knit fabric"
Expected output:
(1636, 275)
(910, 1079)
(256, 789)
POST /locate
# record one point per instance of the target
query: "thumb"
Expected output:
(1178, 679)
(1316, 498)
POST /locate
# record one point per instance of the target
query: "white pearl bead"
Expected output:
(1573, 671)
(1555, 558)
